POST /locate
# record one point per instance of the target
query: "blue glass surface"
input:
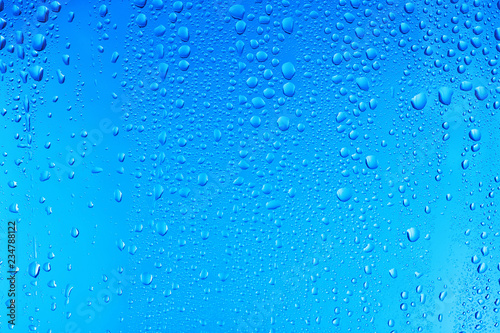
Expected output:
(249, 166)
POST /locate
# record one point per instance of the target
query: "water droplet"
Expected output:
(287, 25)
(141, 20)
(288, 70)
(419, 101)
(158, 191)
(118, 195)
(273, 204)
(363, 83)
(74, 232)
(475, 134)
(445, 94)
(255, 121)
(413, 234)
(344, 194)
(283, 123)
(146, 278)
(39, 42)
(371, 162)
(482, 268)
(203, 274)
(237, 11)
(14, 208)
(481, 93)
(162, 228)
(34, 269)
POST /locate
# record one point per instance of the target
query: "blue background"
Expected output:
(252, 166)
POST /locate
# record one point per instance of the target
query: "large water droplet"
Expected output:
(344, 194)
(413, 234)
(419, 101)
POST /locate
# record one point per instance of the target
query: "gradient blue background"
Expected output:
(245, 174)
